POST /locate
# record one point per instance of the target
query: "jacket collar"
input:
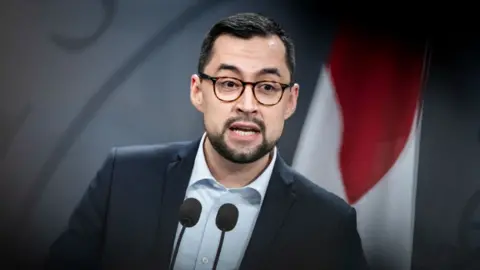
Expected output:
(279, 197)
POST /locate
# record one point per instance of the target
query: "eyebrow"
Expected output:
(264, 71)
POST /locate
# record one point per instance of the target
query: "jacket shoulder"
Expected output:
(167, 151)
(319, 197)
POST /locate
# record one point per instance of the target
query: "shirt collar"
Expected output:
(201, 171)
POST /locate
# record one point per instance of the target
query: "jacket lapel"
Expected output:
(278, 200)
(175, 183)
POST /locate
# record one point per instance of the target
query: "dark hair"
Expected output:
(246, 26)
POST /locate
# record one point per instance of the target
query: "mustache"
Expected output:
(256, 121)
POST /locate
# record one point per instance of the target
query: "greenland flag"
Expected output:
(360, 140)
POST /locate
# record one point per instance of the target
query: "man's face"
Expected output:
(244, 130)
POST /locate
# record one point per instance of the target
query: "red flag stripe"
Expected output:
(377, 84)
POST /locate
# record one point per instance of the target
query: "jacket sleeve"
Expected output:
(354, 255)
(80, 245)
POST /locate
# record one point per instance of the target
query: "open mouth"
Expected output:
(244, 129)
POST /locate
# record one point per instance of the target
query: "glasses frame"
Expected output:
(244, 85)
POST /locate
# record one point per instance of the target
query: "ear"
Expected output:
(292, 98)
(196, 94)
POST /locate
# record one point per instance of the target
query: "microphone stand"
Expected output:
(177, 246)
(220, 244)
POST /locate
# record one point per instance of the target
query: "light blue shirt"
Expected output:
(199, 243)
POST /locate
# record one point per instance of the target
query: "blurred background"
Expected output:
(79, 77)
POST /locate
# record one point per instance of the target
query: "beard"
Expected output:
(217, 140)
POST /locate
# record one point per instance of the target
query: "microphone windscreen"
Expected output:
(190, 212)
(227, 217)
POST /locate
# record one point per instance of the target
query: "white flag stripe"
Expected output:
(316, 156)
(386, 213)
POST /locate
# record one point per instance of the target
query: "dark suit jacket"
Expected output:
(127, 219)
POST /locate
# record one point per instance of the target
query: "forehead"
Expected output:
(249, 55)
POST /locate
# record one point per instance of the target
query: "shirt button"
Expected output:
(205, 260)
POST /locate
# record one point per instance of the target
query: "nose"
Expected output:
(247, 102)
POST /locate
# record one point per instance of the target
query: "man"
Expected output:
(128, 218)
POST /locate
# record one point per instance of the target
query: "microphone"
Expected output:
(226, 220)
(189, 215)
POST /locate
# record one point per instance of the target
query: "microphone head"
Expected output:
(190, 212)
(227, 217)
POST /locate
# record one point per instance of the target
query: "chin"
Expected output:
(247, 155)
(242, 158)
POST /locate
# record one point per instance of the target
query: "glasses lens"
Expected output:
(228, 89)
(268, 93)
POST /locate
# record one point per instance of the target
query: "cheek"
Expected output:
(275, 127)
(211, 121)
(214, 117)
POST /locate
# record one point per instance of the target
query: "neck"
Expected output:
(230, 174)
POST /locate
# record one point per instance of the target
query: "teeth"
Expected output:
(243, 133)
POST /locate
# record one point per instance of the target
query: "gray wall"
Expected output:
(79, 77)
(447, 227)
